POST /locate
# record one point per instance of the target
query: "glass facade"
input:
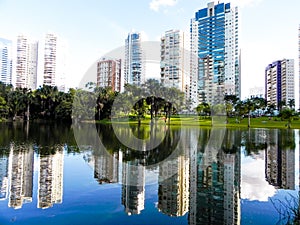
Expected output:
(5, 61)
(217, 51)
(133, 59)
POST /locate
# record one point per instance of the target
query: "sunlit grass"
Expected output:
(193, 120)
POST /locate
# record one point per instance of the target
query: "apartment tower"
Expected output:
(26, 63)
(172, 59)
(5, 61)
(215, 60)
(109, 73)
(279, 82)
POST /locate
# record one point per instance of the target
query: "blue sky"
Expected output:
(268, 28)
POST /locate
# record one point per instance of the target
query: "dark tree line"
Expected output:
(93, 102)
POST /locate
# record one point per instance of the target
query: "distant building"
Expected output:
(26, 63)
(215, 59)
(54, 62)
(5, 61)
(257, 92)
(133, 66)
(172, 59)
(109, 73)
(279, 82)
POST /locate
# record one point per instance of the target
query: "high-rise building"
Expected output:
(133, 66)
(109, 73)
(54, 61)
(5, 61)
(279, 82)
(172, 59)
(26, 63)
(215, 60)
(50, 59)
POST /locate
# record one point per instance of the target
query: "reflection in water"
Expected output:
(215, 191)
(173, 190)
(133, 188)
(106, 167)
(50, 183)
(3, 177)
(280, 160)
(21, 175)
(198, 177)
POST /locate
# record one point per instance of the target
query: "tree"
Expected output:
(230, 102)
(291, 103)
(281, 104)
(287, 114)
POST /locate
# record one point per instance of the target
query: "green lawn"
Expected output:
(261, 122)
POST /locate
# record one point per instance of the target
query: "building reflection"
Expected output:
(280, 159)
(133, 187)
(173, 189)
(106, 168)
(50, 181)
(21, 175)
(3, 177)
(215, 187)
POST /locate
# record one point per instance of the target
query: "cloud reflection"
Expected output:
(253, 185)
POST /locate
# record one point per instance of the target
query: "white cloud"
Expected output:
(254, 186)
(156, 4)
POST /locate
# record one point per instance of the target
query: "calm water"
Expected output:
(48, 175)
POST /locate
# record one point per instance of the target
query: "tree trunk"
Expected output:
(249, 117)
(28, 112)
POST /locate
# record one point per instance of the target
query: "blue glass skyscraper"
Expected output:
(215, 70)
(133, 68)
(5, 61)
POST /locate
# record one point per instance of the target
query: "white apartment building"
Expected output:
(172, 59)
(54, 61)
(279, 82)
(26, 62)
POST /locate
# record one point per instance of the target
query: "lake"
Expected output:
(104, 174)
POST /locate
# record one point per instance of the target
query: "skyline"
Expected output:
(97, 27)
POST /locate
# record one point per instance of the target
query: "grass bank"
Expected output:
(260, 122)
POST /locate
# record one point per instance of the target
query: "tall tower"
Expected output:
(172, 59)
(50, 60)
(133, 66)
(279, 82)
(109, 73)
(26, 63)
(5, 61)
(214, 63)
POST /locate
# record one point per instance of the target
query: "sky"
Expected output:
(268, 28)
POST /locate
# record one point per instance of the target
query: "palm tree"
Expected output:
(281, 104)
(291, 103)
